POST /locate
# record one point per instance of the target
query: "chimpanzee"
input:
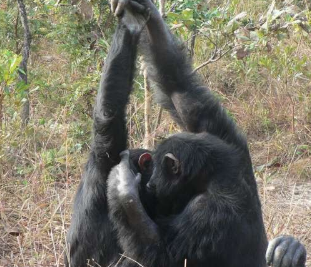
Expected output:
(194, 198)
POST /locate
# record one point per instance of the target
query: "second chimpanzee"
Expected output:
(202, 203)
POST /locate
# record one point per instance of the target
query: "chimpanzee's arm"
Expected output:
(110, 136)
(138, 235)
(192, 105)
(90, 235)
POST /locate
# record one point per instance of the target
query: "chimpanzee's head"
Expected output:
(165, 172)
(181, 163)
(182, 166)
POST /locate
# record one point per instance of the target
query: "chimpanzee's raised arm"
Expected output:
(110, 136)
(192, 105)
(90, 238)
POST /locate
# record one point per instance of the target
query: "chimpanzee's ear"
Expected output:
(172, 164)
(144, 161)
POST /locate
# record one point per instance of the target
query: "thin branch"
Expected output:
(100, 18)
(124, 256)
(147, 139)
(58, 2)
(192, 42)
(16, 32)
(208, 38)
(217, 55)
(159, 118)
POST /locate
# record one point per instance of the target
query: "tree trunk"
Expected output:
(23, 65)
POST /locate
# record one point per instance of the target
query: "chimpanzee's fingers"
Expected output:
(289, 255)
(137, 7)
(300, 256)
(120, 8)
(125, 156)
(280, 251)
(270, 250)
(113, 5)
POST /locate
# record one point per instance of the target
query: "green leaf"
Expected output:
(173, 16)
(15, 63)
(187, 14)
(42, 121)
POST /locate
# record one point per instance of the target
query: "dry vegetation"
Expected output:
(40, 169)
(35, 212)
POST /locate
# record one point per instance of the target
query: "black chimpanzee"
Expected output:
(194, 198)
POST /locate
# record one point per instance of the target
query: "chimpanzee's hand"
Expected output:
(126, 211)
(132, 14)
(286, 251)
(118, 6)
(136, 6)
(127, 182)
(135, 14)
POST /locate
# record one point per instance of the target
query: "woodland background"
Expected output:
(253, 54)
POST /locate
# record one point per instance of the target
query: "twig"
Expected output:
(100, 17)
(16, 32)
(217, 54)
(132, 260)
(58, 2)
(147, 139)
(159, 118)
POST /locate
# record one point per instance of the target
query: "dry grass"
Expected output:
(35, 211)
(34, 217)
